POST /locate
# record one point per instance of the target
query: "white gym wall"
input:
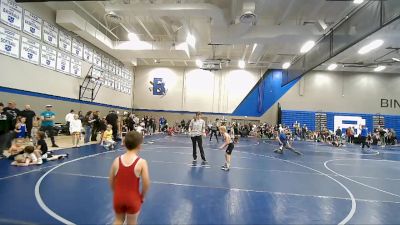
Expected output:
(192, 89)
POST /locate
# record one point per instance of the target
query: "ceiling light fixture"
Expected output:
(307, 46)
(191, 40)
(133, 37)
(379, 68)
(199, 63)
(332, 66)
(286, 65)
(369, 47)
(396, 59)
(241, 64)
(358, 1)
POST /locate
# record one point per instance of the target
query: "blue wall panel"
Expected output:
(308, 117)
(289, 117)
(263, 95)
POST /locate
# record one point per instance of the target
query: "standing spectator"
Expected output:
(48, 118)
(5, 122)
(112, 119)
(29, 115)
(35, 128)
(13, 111)
(304, 131)
(162, 123)
(339, 134)
(87, 123)
(20, 128)
(75, 128)
(80, 116)
(150, 126)
(197, 129)
(363, 136)
(382, 134)
(96, 125)
(183, 124)
(68, 118)
(154, 125)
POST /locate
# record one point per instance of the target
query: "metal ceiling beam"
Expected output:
(145, 28)
(286, 13)
(164, 25)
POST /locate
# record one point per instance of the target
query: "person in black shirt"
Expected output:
(96, 125)
(44, 150)
(29, 115)
(5, 128)
(112, 118)
(13, 111)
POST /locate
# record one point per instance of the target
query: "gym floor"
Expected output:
(326, 185)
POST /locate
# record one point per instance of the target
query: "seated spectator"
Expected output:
(170, 131)
(16, 148)
(30, 157)
(43, 150)
(107, 140)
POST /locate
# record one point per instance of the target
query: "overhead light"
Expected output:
(369, 47)
(241, 64)
(157, 61)
(286, 65)
(396, 59)
(307, 46)
(379, 68)
(199, 63)
(191, 40)
(332, 66)
(133, 37)
(358, 1)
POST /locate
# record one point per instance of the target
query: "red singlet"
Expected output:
(127, 198)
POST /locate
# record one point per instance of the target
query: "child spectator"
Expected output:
(124, 177)
(35, 129)
(43, 150)
(20, 128)
(107, 140)
(30, 157)
(75, 128)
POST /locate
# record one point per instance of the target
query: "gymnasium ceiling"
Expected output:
(276, 36)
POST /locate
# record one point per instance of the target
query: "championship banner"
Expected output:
(50, 34)
(11, 14)
(30, 50)
(9, 42)
(63, 62)
(87, 54)
(64, 41)
(97, 59)
(32, 25)
(48, 57)
(76, 67)
(77, 48)
(104, 63)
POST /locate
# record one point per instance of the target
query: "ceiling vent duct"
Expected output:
(248, 16)
(113, 17)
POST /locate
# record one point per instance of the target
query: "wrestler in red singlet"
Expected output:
(127, 197)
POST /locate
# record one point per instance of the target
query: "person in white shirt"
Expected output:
(69, 117)
(75, 128)
(197, 129)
